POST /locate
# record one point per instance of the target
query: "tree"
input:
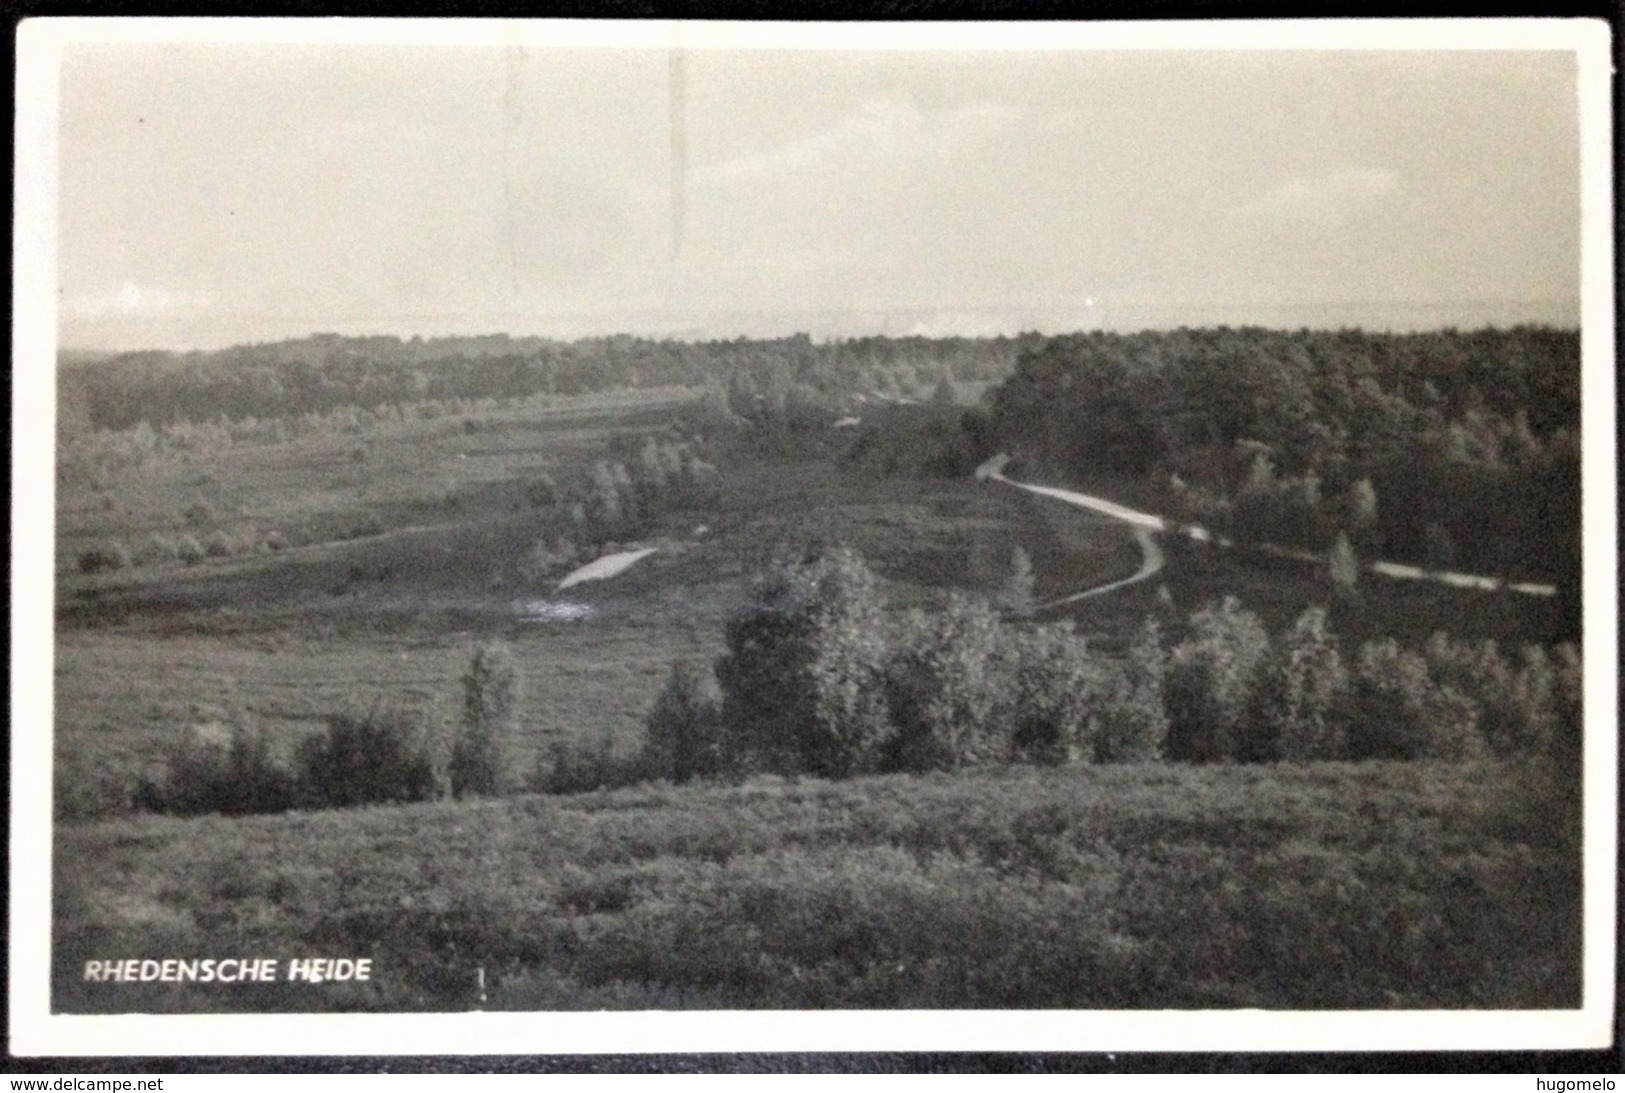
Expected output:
(684, 726)
(1401, 713)
(1016, 598)
(1055, 687)
(801, 677)
(1299, 688)
(491, 695)
(1134, 719)
(1362, 506)
(380, 758)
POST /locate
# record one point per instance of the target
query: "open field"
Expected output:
(1323, 886)
(1302, 886)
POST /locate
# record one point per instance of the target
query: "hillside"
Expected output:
(1326, 886)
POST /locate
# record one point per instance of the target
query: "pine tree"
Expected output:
(1298, 691)
(1344, 568)
(683, 727)
(1016, 598)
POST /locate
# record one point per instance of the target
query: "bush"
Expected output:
(943, 690)
(1016, 598)
(1299, 690)
(684, 729)
(1132, 724)
(83, 789)
(1344, 568)
(216, 768)
(217, 545)
(542, 491)
(1210, 682)
(1401, 713)
(801, 678)
(155, 549)
(111, 555)
(384, 757)
(1480, 672)
(491, 695)
(1055, 688)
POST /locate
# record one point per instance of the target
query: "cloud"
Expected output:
(878, 130)
(1322, 201)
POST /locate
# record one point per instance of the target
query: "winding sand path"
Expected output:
(1145, 523)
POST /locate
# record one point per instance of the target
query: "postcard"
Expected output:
(627, 537)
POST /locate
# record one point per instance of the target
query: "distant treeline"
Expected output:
(1455, 449)
(325, 372)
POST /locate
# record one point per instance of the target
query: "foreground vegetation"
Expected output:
(295, 580)
(1404, 885)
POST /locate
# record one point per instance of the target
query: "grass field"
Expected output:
(1326, 886)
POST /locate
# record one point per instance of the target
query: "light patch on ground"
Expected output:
(610, 565)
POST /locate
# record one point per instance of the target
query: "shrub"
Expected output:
(1055, 687)
(1132, 724)
(155, 549)
(217, 545)
(684, 729)
(1210, 681)
(1344, 568)
(542, 491)
(943, 690)
(112, 555)
(589, 767)
(216, 768)
(383, 757)
(491, 694)
(1480, 672)
(199, 514)
(86, 790)
(1438, 549)
(1299, 689)
(1401, 713)
(801, 677)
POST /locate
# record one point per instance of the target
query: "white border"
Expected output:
(36, 1032)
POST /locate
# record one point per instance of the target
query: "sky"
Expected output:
(212, 194)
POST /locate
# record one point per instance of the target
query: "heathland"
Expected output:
(322, 687)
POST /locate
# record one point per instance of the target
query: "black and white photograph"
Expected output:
(1037, 537)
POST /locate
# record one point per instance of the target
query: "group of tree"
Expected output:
(381, 755)
(820, 677)
(325, 373)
